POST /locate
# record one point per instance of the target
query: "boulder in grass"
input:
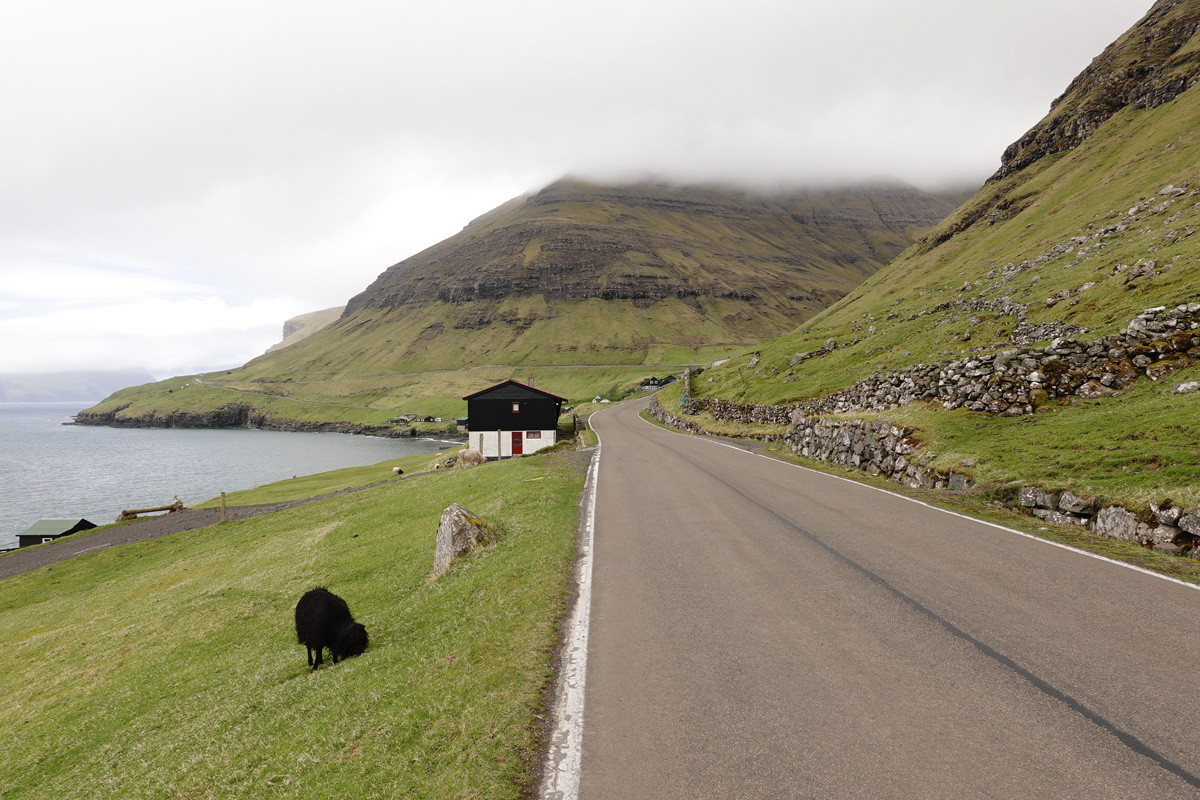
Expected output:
(458, 533)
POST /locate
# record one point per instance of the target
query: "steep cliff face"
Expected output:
(301, 327)
(578, 241)
(1150, 65)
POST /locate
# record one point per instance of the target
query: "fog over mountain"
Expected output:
(181, 179)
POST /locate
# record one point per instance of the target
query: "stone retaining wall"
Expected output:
(1009, 382)
(877, 447)
(881, 448)
(1173, 531)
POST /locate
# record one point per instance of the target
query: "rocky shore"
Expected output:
(237, 415)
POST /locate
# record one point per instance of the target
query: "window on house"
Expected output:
(47, 539)
(516, 408)
(533, 434)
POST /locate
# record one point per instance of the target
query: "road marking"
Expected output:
(560, 775)
(90, 549)
(995, 525)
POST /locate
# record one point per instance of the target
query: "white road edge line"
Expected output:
(561, 772)
(1030, 536)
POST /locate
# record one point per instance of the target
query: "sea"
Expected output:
(51, 469)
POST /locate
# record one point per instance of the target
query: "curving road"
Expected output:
(761, 630)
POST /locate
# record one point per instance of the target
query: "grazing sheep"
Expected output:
(323, 620)
(397, 471)
(467, 457)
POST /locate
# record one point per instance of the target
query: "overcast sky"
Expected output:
(176, 180)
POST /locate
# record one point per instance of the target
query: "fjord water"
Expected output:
(49, 469)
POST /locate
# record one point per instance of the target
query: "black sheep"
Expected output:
(323, 620)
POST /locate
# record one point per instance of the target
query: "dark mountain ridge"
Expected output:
(1149, 65)
(646, 242)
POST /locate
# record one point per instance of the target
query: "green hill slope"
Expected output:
(170, 668)
(1089, 222)
(577, 275)
(585, 274)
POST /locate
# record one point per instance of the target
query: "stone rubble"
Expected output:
(1008, 381)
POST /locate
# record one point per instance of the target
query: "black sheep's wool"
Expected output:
(323, 620)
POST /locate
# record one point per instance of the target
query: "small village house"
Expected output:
(512, 419)
(47, 530)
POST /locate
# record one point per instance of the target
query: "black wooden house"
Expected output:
(512, 419)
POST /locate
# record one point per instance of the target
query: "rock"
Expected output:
(1167, 548)
(1158, 535)
(1055, 518)
(958, 482)
(1034, 497)
(1191, 522)
(1158, 371)
(1185, 388)
(1115, 522)
(1166, 514)
(1093, 389)
(1073, 504)
(458, 533)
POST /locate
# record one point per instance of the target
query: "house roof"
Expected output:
(57, 527)
(513, 390)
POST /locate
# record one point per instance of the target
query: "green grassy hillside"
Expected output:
(610, 281)
(170, 668)
(229, 400)
(1074, 242)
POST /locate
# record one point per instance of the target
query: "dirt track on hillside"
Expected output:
(31, 558)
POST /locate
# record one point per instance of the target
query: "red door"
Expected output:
(518, 443)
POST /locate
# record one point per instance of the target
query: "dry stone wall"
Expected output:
(1015, 381)
(1009, 381)
(1173, 530)
(877, 447)
(881, 448)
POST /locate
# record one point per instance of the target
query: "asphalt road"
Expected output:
(763, 631)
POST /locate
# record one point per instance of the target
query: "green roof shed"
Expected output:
(47, 530)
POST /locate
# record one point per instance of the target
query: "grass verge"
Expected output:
(306, 486)
(170, 668)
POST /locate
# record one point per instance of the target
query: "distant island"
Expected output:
(66, 387)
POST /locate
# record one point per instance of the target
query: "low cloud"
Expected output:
(162, 336)
(242, 152)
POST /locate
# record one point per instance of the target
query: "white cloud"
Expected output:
(165, 337)
(258, 149)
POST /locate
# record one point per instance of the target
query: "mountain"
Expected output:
(61, 387)
(302, 326)
(583, 273)
(1031, 289)
(578, 274)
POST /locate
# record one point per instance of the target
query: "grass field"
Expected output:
(170, 668)
(372, 399)
(306, 486)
